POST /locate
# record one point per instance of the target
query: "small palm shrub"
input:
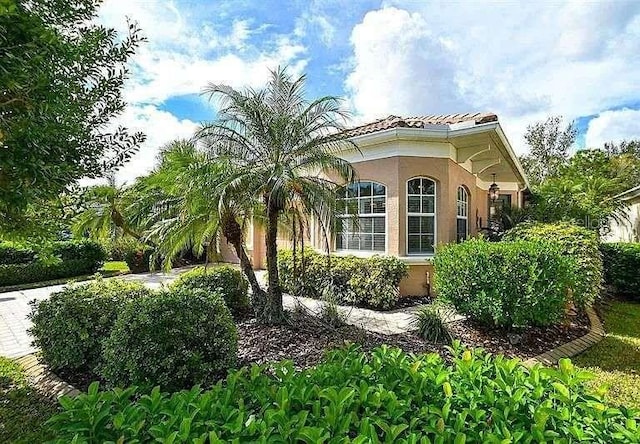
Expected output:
(382, 396)
(227, 280)
(174, 339)
(371, 282)
(505, 284)
(70, 326)
(431, 322)
(622, 267)
(576, 242)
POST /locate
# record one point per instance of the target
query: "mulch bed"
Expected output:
(305, 341)
(529, 343)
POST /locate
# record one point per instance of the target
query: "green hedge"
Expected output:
(504, 284)
(353, 397)
(66, 259)
(622, 267)
(138, 258)
(577, 242)
(14, 253)
(174, 339)
(229, 281)
(371, 282)
(70, 326)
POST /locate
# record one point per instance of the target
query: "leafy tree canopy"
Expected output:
(61, 81)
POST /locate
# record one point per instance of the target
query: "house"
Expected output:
(628, 228)
(423, 181)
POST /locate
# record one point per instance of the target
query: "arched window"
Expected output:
(462, 214)
(421, 215)
(362, 217)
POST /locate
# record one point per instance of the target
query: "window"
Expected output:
(421, 215)
(362, 217)
(462, 214)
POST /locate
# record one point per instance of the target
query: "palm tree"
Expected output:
(282, 152)
(190, 208)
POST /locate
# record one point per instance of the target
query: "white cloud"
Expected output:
(523, 61)
(613, 126)
(161, 127)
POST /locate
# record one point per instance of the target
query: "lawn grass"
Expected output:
(616, 359)
(115, 266)
(23, 410)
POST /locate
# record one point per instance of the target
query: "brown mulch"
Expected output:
(305, 341)
(525, 344)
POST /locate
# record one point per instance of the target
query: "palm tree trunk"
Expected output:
(233, 232)
(273, 312)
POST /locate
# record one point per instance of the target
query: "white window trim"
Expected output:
(434, 214)
(366, 253)
(458, 217)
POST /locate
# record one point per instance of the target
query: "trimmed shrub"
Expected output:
(138, 258)
(174, 339)
(371, 282)
(69, 258)
(70, 326)
(382, 396)
(227, 280)
(622, 267)
(13, 253)
(577, 242)
(504, 284)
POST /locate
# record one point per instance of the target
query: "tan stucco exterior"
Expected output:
(627, 229)
(450, 163)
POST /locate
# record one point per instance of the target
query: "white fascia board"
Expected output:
(630, 193)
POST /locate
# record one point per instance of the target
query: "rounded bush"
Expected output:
(174, 339)
(70, 326)
(622, 267)
(504, 284)
(138, 258)
(229, 281)
(576, 242)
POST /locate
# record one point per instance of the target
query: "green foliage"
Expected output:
(174, 339)
(575, 242)
(23, 411)
(226, 280)
(26, 264)
(138, 258)
(15, 253)
(70, 326)
(431, 322)
(385, 396)
(622, 267)
(367, 282)
(505, 284)
(61, 80)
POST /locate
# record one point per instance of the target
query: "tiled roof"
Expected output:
(421, 122)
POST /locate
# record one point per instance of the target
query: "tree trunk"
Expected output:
(273, 312)
(233, 232)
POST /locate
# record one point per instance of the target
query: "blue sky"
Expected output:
(521, 60)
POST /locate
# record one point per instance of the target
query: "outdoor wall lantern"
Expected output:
(494, 190)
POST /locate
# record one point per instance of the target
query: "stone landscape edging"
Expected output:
(43, 380)
(572, 348)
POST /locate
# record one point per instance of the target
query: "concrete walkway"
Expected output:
(14, 309)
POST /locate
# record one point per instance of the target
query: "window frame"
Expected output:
(359, 215)
(465, 217)
(409, 214)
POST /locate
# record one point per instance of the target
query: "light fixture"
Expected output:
(494, 190)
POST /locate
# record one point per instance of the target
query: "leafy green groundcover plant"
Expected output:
(24, 264)
(384, 396)
(70, 327)
(577, 242)
(622, 267)
(504, 284)
(174, 339)
(367, 282)
(229, 281)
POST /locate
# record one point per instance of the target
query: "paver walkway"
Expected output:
(14, 309)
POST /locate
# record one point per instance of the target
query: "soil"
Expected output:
(528, 343)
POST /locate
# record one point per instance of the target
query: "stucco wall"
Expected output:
(418, 282)
(626, 230)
